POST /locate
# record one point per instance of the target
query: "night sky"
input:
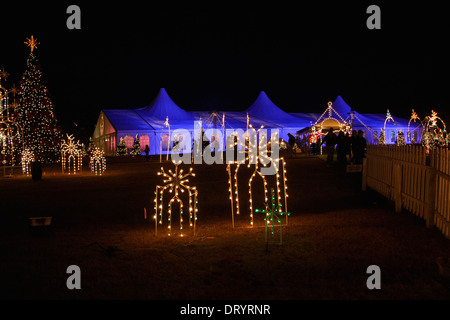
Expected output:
(222, 55)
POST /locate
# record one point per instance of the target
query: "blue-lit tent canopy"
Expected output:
(162, 117)
(374, 121)
(150, 123)
(264, 108)
(162, 108)
(342, 108)
(371, 124)
(264, 112)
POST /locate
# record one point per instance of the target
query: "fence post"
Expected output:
(431, 192)
(398, 186)
(364, 174)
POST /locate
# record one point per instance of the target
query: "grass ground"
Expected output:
(334, 233)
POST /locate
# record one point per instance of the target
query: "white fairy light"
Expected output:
(98, 161)
(27, 159)
(71, 155)
(254, 158)
(176, 184)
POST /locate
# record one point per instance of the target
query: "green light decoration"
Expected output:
(273, 213)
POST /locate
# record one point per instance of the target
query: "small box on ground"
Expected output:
(40, 225)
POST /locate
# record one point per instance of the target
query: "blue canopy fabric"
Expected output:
(127, 120)
(162, 108)
(151, 120)
(342, 108)
(231, 121)
(264, 108)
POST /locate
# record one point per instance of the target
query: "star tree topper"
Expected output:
(32, 43)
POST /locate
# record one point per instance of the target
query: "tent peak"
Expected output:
(162, 107)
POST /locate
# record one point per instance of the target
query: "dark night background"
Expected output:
(220, 56)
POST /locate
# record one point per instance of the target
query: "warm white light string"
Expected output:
(176, 183)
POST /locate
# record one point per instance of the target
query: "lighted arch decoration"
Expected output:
(11, 135)
(27, 159)
(385, 134)
(176, 184)
(435, 132)
(71, 155)
(389, 118)
(328, 115)
(414, 118)
(254, 159)
(98, 161)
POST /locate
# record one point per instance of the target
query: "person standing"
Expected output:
(354, 143)
(341, 149)
(291, 142)
(147, 151)
(330, 143)
(360, 149)
(348, 147)
(313, 141)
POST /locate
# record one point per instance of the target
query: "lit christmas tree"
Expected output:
(400, 138)
(382, 139)
(414, 138)
(121, 148)
(35, 113)
(136, 148)
(91, 146)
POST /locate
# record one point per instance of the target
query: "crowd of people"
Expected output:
(348, 148)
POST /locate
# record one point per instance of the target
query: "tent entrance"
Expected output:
(332, 123)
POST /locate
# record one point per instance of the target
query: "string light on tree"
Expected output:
(435, 132)
(71, 155)
(136, 148)
(98, 161)
(382, 139)
(121, 148)
(400, 138)
(177, 184)
(35, 113)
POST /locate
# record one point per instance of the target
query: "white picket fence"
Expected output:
(415, 181)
